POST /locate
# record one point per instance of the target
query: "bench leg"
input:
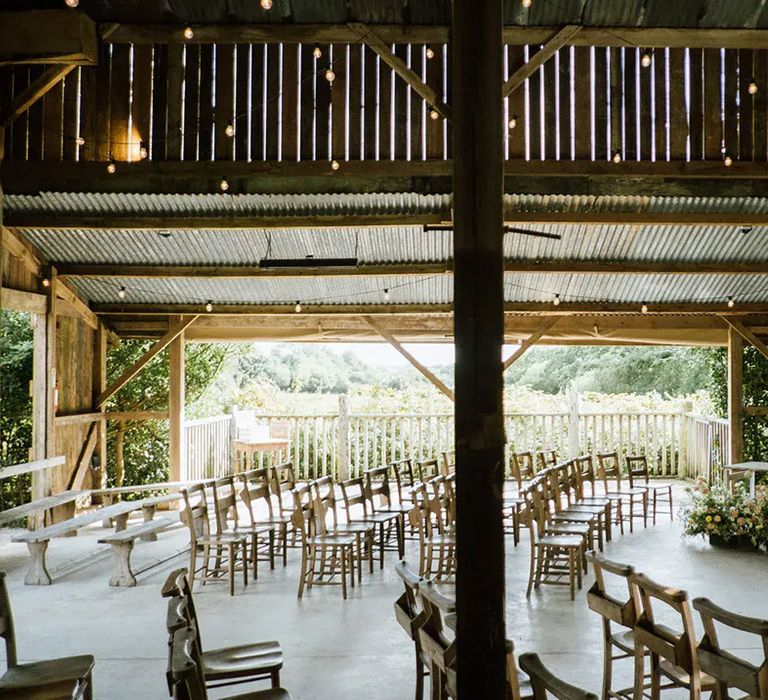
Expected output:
(122, 574)
(121, 522)
(37, 575)
(149, 514)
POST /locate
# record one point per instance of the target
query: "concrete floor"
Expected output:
(336, 649)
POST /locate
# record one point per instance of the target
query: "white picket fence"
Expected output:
(676, 443)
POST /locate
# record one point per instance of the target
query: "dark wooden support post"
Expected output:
(736, 394)
(177, 457)
(479, 333)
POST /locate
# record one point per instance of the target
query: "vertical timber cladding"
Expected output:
(479, 334)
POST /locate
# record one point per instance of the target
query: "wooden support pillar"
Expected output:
(51, 386)
(735, 395)
(177, 460)
(479, 334)
(99, 386)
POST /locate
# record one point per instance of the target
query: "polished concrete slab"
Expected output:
(335, 648)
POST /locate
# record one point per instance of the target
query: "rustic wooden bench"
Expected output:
(122, 545)
(40, 505)
(37, 540)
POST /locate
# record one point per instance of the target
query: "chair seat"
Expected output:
(223, 538)
(586, 508)
(379, 518)
(257, 528)
(333, 539)
(269, 694)
(49, 674)
(352, 528)
(593, 501)
(561, 541)
(241, 661)
(627, 492)
(274, 520)
(680, 677)
(624, 640)
(400, 509)
(568, 529)
(573, 516)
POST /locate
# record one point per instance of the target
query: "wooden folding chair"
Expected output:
(411, 616)
(64, 677)
(188, 677)
(614, 611)
(728, 670)
(610, 475)
(673, 652)
(256, 493)
(243, 663)
(658, 494)
(223, 549)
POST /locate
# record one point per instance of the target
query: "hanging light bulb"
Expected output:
(644, 308)
(616, 156)
(209, 307)
(229, 129)
(330, 76)
(752, 89)
(430, 52)
(266, 4)
(121, 292)
(731, 302)
(111, 167)
(556, 300)
(297, 308)
(46, 282)
(386, 296)
(434, 115)
(143, 150)
(72, 3)
(317, 52)
(645, 59)
(727, 161)
(80, 141)
(224, 184)
(513, 122)
(188, 33)
(335, 165)
(526, 3)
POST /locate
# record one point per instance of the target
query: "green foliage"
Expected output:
(16, 346)
(146, 442)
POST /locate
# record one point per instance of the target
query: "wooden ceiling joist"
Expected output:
(56, 36)
(748, 335)
(416, 268)
(530, 341)
(629, 37)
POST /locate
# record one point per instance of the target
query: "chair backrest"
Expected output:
(408, 611)
(609, 468)
(186, 668)
(522, 467)
(283, 481)
(586, 468)
(353, 493)
(404, 475)
(325, 494)
(547, 458)
(439, 651)
(637, 469)
(195, 514)
(427, 468)
(624, 612)
(7, 631)
(255, 489)
(553, 486)
(676, 646)
(729, 670)
(449, 462)
(225, 503)
(545, 683)
(377, 487)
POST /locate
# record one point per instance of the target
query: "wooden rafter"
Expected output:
(530, 341)
(748, 335)
(549, 49)
(76, 303)
(173, 332)
(431, 377)
(369, 36)
(416, 268)
(19, 249)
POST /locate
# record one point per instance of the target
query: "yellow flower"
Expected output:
(708, 518)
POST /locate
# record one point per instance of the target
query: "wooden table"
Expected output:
(248, 448)
(752, 468)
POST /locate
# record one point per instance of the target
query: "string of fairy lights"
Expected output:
(230, 130)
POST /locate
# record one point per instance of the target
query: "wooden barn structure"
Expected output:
(570, 171)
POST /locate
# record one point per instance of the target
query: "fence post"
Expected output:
(342, 439)
(573, 426)
(683, 467)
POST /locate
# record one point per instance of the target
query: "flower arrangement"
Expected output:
(713, 510)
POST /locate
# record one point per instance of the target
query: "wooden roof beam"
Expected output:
(57, 36)
(369, 36)
(530, 341)
(748, 335)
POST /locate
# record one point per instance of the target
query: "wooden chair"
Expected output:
(188, 679)
(545, 683)
(64, 677)
(448, 465)
(324, 556)
(733, 477)
(522, 467)
(437, 548)
(614, 611)
(593, 516)
(658, 495)
(255, 491)
(610, 475)
(224, 549)
(729, 670)
(575, 494)
(547, 458)
(405, 479)
(411, 616)
(364, 533)
(439, 651)
(283, 482)
(586, 468)
(672, 652)
(243, 663)
(380, 499)
(427, 468)
(357, 507)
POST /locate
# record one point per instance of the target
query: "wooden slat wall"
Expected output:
(583, 103)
